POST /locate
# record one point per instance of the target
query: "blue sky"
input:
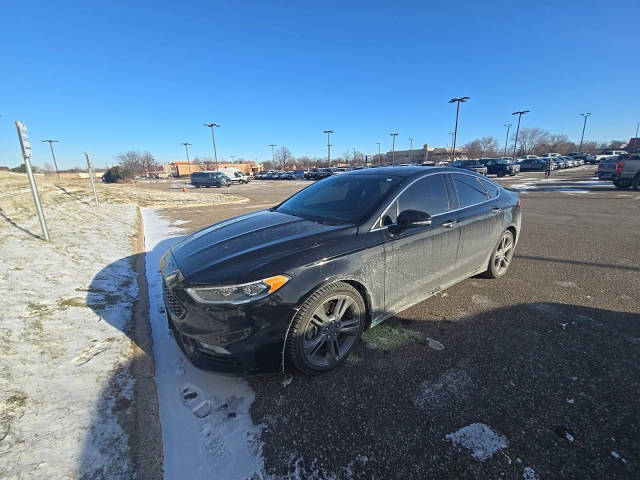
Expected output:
(106, 77)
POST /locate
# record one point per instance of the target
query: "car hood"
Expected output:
(250, 247)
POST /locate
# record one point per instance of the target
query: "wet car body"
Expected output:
(392, 269)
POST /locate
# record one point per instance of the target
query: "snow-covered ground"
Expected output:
(65, 386)
(207, 431)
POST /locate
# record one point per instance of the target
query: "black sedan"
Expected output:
(298, 283)
(473, 165)
(500, 166)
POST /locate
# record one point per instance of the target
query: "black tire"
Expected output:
(501, 174)
(197, 186)
(622, 185)
(635, 184)
(318, 340)
(500, 260)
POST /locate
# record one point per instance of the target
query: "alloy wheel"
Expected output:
(504, 253)
(331, 331)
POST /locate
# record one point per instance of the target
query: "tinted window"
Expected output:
(341, 198)
(469, 189)
(490, 187)
(427, 195)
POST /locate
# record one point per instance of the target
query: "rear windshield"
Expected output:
(341, 199)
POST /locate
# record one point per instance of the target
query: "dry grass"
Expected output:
(16, 201)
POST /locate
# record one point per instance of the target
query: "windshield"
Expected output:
(340, 199)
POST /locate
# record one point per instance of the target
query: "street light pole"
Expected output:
(273, 154)
(213, 138)
(393, 149)
(51, 142)
(410, 150)
(455, 132)
(452, 134)
(515, 144)
(328, 132)
(379, 154)
(637, 127)
(585, 115)
(506, 140)
(186, 149)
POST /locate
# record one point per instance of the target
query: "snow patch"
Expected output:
(452, 385)
(207, 430)
(480, 439)
(566, 284)
(529, 474)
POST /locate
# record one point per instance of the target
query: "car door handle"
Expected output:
(495, 210)
(449, 223)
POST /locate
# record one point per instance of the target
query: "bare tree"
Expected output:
(284, 156)
(482, 147)
(529, 139)
(347, 156)
(48, 167)
(137, 163)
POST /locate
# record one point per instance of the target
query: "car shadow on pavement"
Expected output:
(559, 381)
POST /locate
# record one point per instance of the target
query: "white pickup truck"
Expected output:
(608, 154)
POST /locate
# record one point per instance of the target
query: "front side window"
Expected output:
(470, 190)
(427, 195)
(490, 187)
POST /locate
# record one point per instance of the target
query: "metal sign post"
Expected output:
(93, 185)
(23, 135)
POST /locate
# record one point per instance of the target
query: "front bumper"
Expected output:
(245, 339)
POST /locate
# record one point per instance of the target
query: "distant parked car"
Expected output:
(290, 175)
(578, 156)
(500, 166)
(534, 164)
(473, 165)
(561, 163)
(210, 179)
(550, 155)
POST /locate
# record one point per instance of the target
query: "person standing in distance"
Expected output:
(547, 168)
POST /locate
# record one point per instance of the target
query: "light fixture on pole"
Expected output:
(273, 154)
(393, 149)
(585, 115)
(458, 101)
(51, 142)
(379, 154)
(186, 149)
(506, 140)
(515, 143)
(410, 150)
(328, 132)
(213, 138)
(637, 127)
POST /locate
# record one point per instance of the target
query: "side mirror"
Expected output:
(412, 218)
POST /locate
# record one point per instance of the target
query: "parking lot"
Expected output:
(534, 375)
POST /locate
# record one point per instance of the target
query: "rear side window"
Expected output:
(491, 188)
(427, 195)
(470, 190)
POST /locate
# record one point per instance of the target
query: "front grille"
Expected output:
(172, 303)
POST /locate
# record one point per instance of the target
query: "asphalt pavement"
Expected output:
(534, 375)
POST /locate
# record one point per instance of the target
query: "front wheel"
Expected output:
(326, 328)
(501, 174)
(501, 256)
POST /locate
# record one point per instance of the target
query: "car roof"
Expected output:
(408, 172)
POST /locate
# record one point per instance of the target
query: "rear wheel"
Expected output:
(326, 328)
(501, 257)
(635, 184)
(622, 184)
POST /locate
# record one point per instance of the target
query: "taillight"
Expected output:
(519, 203)
(619, 166)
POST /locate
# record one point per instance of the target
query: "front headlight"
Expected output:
(246, 292)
